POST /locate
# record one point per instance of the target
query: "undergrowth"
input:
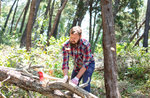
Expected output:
(133, 67)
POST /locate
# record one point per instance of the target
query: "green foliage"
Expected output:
(133, 63)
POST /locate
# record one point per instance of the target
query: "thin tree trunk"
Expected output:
(99, 31)
(23, 39)
(90, 25)
(109, 48)
(50, 21)
(30, 24)
(19, 18)
(0, 24)
(8, 16)
(0, 8)
(24, 16)
(45, 15)
(57, 17)
(116, 8)
(56, 27)
(147, 26)
(140, 38)
(12, 22)
(82, 7)
(94, 25)
(137, 31)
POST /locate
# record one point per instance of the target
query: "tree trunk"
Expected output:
(57, 17)
(24, 17)
(23, 39)
(109, 48)
(116, 8)
(45, 15)
(8, 16)
(0, 8)
(82, 7)
(138, 40)
(90, 25)
(56, 27)
(32, 83)
(50, 21)
(19, 18)
(147, 26)
(12, 22)
(137, 31)
(99, 31)
(30, 25)
(0, 25)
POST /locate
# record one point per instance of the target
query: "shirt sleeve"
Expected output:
(87, 56)
(65, 58)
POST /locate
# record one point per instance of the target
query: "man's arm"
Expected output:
(65, 72)
(81, 72)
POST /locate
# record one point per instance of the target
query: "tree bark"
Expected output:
(99, 31)
(19, 19)
(23, 39)
(24, 17)
(57, 17)
(82, 7)
(116, 8)
(90, 25)
(0, 8)
(29, 83)
(30, 25)
(12, 22)
(137, 31)
(45, 15)
(147, 26)
(109, 48)
(50, 20)
(8, 16)
(140, 38)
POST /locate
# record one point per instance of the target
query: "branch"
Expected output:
(33, 84)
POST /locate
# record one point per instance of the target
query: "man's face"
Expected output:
(74, 38)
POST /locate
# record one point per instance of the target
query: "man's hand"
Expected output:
(75, 80)
(65, 78)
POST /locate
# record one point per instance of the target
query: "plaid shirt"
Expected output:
(81, 55)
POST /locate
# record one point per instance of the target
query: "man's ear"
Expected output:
(80, 36)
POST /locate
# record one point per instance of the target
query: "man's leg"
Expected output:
(88, 74)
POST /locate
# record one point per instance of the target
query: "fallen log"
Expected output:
(18, 78)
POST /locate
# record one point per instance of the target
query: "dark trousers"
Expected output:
(87, 73)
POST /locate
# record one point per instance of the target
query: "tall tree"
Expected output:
(29, 25)
(24, 16)
(90, 26)
(50, 20)
(59, 16)
(0, 8)
(12, 22)
(23, 39)
(82, 7)
(147, 26)
(109, 48)
(56, 18)
(8, 16)
(0, 24)
(45, 15)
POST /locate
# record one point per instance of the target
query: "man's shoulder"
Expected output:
(85, 42)
(66, 43)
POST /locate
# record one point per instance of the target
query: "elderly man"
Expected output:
(79, 49)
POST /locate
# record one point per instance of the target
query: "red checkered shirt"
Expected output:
(81, 55)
